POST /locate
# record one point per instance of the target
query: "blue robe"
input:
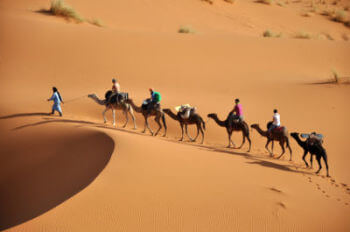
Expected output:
(56, 102)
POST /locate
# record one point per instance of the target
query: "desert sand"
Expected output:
(74, 173)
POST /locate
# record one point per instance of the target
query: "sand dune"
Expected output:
(77, 174)
(42, 169)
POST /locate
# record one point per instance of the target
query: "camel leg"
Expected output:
(250, 142)
(290, 149)
(319, 164)
(229, 139)
(113, 112)
(188, 134)
(147, 126)
(126, 117)
(131, 112)
(157, 119)
(243, 141)
(305, 153)
(272, 145)
(326, 162)
(195, 138)
(201, 130)
(182, 131)
(267, 146)
(311, 160)
(283, 150)
(104, 115)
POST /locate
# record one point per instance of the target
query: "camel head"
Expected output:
(294, 134)
(255, 126)
(92, 95)
(212, 115)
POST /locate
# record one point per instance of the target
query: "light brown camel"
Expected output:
(193, 119)
(159, 114)
(232, 126)
(281, 136)
(113, 105)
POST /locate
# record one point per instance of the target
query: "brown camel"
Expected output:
(113, 105)
(159, 114)
(281, 136)
(193, 119)
(231, 126)
(315, 148)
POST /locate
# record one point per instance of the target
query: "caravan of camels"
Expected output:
(187, 115)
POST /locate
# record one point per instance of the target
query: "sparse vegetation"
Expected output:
(268, 2)
(335, 76)
(208, 1)
(96, 22)
(302, 35)
(340, 16)
(307, 14)
(186, 29)
(60, 8)
(271, 34)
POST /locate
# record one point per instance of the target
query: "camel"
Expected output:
(278, 135)
(193, 119)
(113, 105)
(159, 114)
(232, 126)
(314, 149)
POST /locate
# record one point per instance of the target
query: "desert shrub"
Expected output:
(60, 8)
(186, 29)
(302, 35)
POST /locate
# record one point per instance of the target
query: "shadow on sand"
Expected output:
(24, 115)
(264, 161)
(47, 169)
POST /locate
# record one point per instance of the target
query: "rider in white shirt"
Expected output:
(276, 121)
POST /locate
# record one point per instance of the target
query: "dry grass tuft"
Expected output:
(96, 22)
(186, 29)
(208, 1)
(340, 16)
(271, 34)
(60, 8)
(302, 35)
(268, 2)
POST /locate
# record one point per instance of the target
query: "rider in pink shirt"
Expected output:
(237, 111)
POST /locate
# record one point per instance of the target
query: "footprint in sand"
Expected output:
(323, 191)
(282, 205)
(275, 190)
(327, 196)
(344, 185)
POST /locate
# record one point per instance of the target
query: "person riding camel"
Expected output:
(276, 122)
(154, 100)
(115, 86)
(115, 90)
(237, 112)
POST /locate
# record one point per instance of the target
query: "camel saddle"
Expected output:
(113, 97)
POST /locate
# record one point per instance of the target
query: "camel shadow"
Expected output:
(255, 159)
(48, 169)
(24, 115)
